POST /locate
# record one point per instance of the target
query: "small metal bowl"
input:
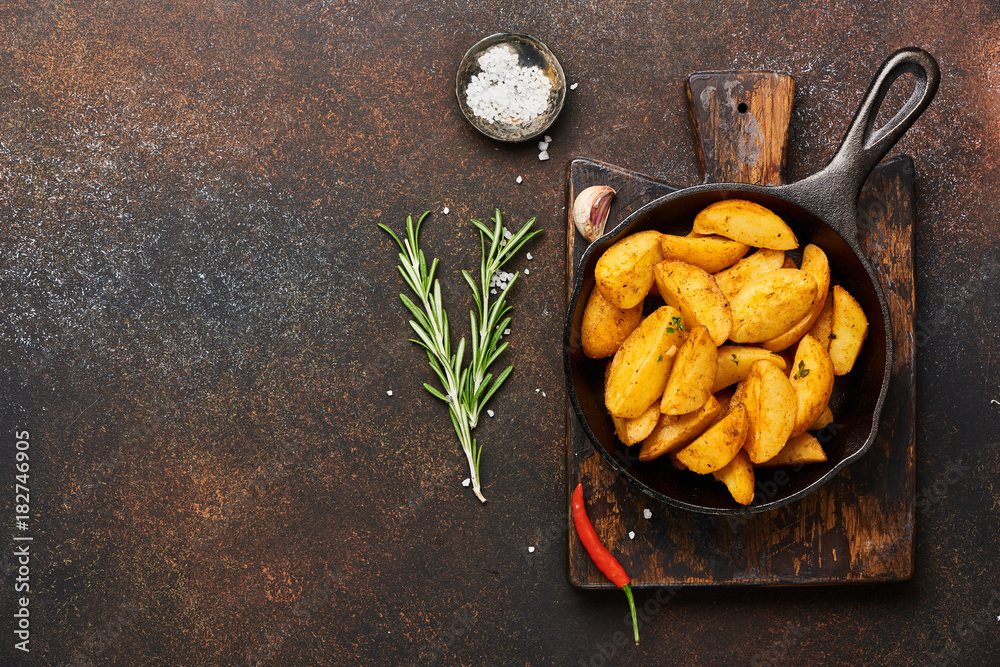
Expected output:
(530, 52)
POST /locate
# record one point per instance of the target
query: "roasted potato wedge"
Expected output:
(694, 293)
(732, 280)
(771, 406)
(632, 431)
(799, 450)
(823, 326)
(848, 331)
(724, 397)
(811, 376)
(673, 433)
(717, 446)
(711, 253)
(624, 273)
(639, 370)
(605, 326)
(675, 462)
(816, 264)
(735, 362)
(824, 420)
(692, 376)
(746, 222)
(770, 304)
(738, 477)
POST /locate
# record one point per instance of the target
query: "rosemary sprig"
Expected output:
(465, 388)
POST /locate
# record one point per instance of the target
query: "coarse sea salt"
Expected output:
(647, 514)
(505, 91)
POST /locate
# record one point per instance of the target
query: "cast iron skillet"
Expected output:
(820, 209)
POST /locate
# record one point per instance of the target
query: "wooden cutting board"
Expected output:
(857, 528)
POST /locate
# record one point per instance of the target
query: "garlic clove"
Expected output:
(590, 211)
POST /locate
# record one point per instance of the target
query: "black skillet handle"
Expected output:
(833, 192)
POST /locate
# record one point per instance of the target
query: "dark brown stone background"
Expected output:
(200, 324)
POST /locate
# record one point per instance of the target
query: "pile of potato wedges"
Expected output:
(734, 363)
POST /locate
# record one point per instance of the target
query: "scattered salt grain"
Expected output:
(490, 413)
(647, 514)
(519, 179)
(445, 211)
(573, 87)
(506, 332)
(466, 481)
(543, 156)
(389, 393)
(631, 534)
(543, 394)
(537, 390)
(529, 256)
(548, 139)
(543, 145)
(531, 550)
(527, 272)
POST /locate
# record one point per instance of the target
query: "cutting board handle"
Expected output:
(740, 123)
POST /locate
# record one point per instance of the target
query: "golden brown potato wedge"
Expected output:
(823, 326)
(632, 431)
(789, 263)
(770, 304)
(848, 331)
(673, 433)
(693, 292)
(717, 446)
(624, 273)
(675, 462)
(824, 420)
(771, 406)
(738, 477)
(816, 264)
(692, 376)
(746, 222)
(811, 376)
(725, 397)
(639, 371)
(799, 450)
(735, 362)
(605, 326)
(711, 253)
(732, 280)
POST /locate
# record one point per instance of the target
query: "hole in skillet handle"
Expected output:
(742, 108)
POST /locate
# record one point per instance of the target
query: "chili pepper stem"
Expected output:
(631, 605)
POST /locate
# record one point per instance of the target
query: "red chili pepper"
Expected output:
(605, 562)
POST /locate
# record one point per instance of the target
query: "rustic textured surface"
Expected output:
(200, 322)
